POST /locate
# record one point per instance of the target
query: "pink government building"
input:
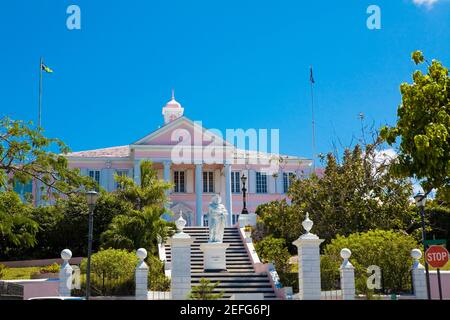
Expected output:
(196, 177)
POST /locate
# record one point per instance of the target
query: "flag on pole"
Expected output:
(45, 68)
(311, 78)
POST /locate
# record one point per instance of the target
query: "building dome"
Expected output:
(173, 104)
(172, 110)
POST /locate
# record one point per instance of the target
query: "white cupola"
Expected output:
(172, 110)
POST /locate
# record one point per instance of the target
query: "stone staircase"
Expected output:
(240, 276)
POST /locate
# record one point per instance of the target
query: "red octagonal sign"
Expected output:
(436, 256)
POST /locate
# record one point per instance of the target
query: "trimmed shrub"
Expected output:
(387, 249)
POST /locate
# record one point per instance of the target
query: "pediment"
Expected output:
(182, 129)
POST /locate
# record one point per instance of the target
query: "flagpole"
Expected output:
(40, 91)
(313, 124)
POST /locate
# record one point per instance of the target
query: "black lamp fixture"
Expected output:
(421, 200)
(244, 190)
(91, 197)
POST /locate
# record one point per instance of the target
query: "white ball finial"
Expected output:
(66, 254)
(416, 254)
(346, 253)
(307, 223)
(180, 223)
(141, 254)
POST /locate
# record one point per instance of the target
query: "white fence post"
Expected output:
(419, 281)
(180, 284)
(347, 272)
(65, 274)
(308, 246)
(141, 275)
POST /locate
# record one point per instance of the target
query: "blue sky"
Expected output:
(233, 64)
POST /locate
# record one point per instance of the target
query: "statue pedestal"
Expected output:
(214, 258)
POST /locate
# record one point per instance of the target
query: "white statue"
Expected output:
(217, 219)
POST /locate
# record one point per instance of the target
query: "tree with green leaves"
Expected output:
(423, 126)
(17, 228)
(205, 291)
(142, 225)
(26, 154)
(355, 195)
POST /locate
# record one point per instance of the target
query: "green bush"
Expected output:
(2, 270)
(112, 272)
(387, 249)
(204, 291)
(157, 280)
(274, 250)
(54, 268)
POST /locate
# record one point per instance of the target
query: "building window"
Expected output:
(95, 175)
(121, 173)
(235, 218)
(287, 179)
(205, 220)
(208, 181)
(235, 182)
(179, 181)
(261, 182)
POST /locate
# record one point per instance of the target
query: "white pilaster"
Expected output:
(141, 276)
(198, 194)
(137, 172)
(228, 195)
(65, 274)
(419, 281)
(308, 246)
(181, 262)
(280, 183)
(347, 272)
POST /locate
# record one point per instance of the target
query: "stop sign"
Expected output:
(436, 256)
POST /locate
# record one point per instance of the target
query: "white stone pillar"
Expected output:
(228, 199)
(280, 182)
(419, 281)
(199, 194)
(180, 243)
(347, 272)
(137, 172)
(308, 246)
(65, 274)
(141, 275)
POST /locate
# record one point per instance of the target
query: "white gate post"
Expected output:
(181, 262)
(419, 281)
(347, 272)
(141, 276)
(308, 246)
(65, 274)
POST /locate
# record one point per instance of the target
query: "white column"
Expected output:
(65, 274)
(347, 272)
(137, 172)
(280, 183)
(198, 194)
(419, 281)
(166, 172)
(308, 246)
(141, 276)
(228, 199)
(180, 284)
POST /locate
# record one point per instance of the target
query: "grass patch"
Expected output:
(19, 273)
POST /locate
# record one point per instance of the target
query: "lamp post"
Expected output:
(244, 190)
(91, 197)
(420, 200)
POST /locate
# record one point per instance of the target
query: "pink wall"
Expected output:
(445, 283)
(38, 288)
